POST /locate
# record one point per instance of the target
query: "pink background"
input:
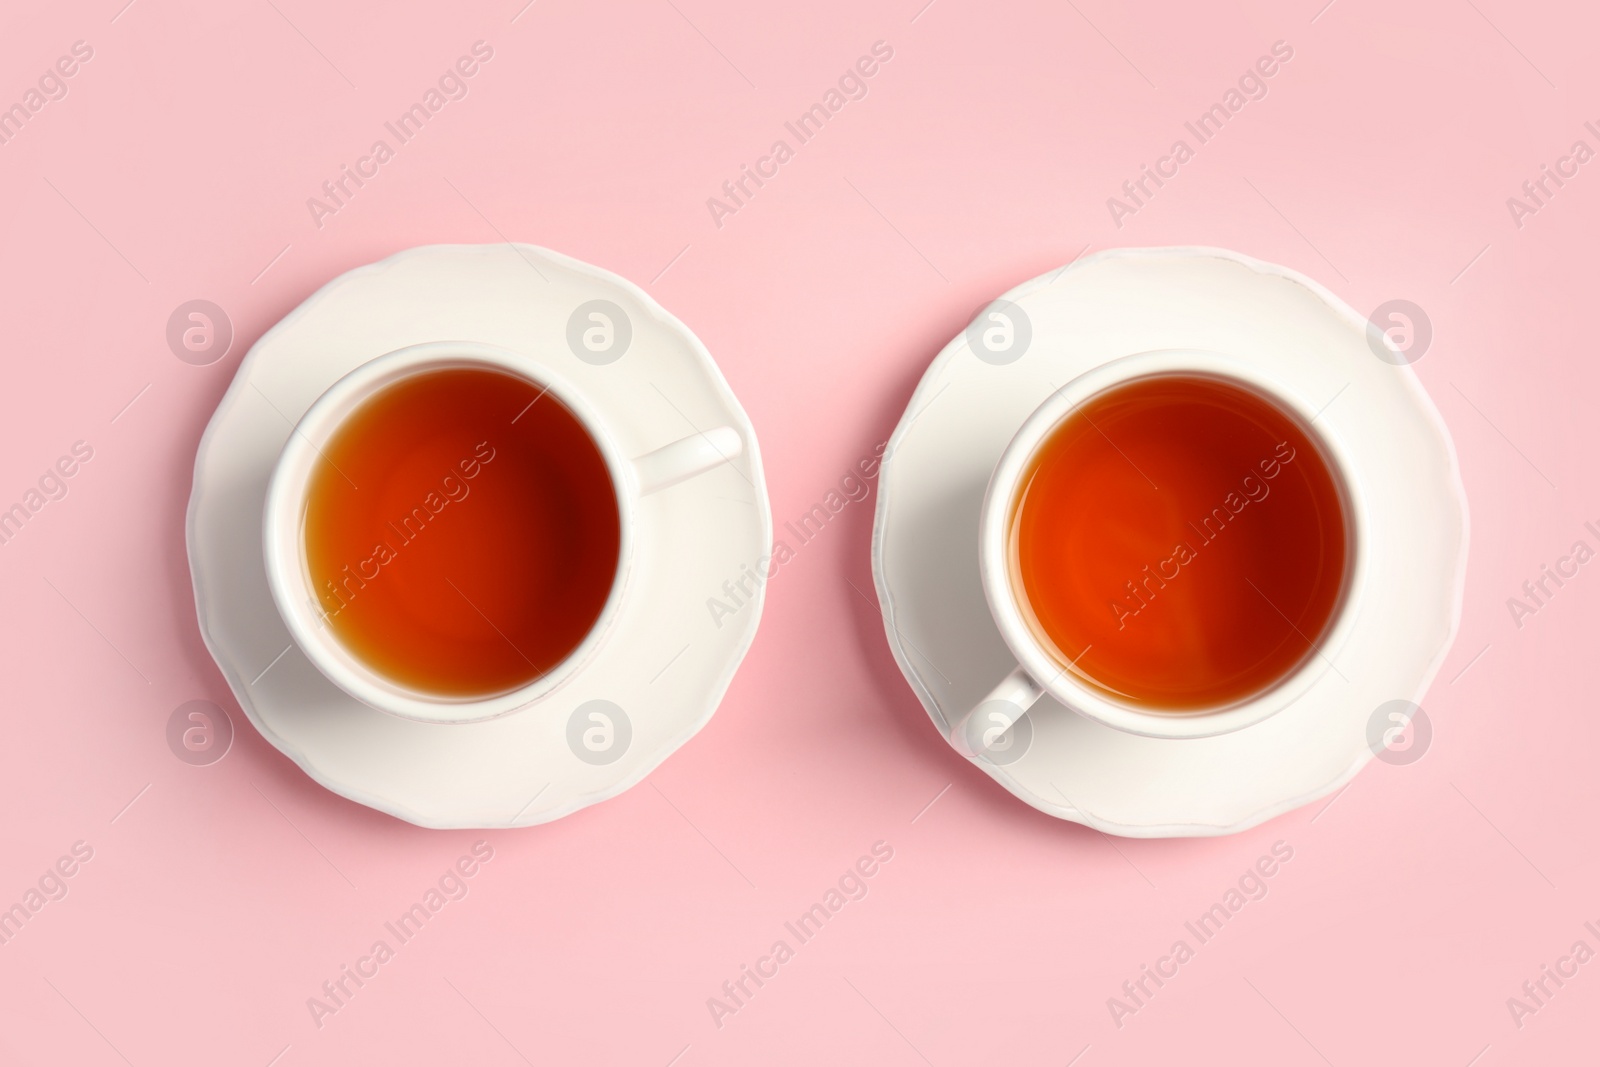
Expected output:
(178, 167)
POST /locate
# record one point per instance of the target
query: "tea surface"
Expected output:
(461, 532)
(1179, 541)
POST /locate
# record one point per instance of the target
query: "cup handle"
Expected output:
(682, 460)
(1007, 702)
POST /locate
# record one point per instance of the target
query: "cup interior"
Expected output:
(288, 562)
(1065, 678)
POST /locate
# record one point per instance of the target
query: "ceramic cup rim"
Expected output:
(284, 544)
(1090, 701)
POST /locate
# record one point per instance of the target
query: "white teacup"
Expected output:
(1039, 673)
(283, 534)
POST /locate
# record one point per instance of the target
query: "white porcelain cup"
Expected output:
(284, 520)
(1039, 673)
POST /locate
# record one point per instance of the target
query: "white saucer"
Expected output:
(665, 664)
(965, 411)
